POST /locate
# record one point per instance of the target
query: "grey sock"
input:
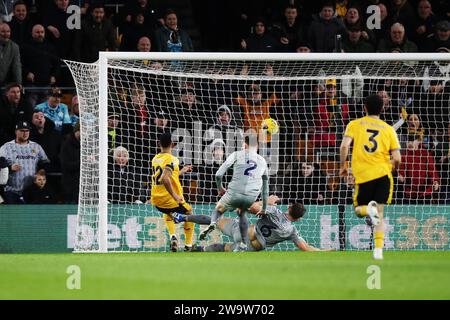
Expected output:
(215, 216)
(243, 226)
(198, 219)
(216, 247)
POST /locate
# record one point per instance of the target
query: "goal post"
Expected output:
(207, 100)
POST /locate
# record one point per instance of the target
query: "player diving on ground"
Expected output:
(273, 226)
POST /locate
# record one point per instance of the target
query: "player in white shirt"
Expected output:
(250, 175)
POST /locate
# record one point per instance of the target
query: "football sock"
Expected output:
(217, 247)
(188, 233)
(379, 239)
(215, 216)
(363, 211)
(199, 219)
(243, 226)
(169, 224)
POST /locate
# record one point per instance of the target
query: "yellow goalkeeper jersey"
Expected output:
(373, 140)
(160, 196)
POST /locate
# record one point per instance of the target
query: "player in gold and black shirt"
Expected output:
(376, 153)
(167, 192)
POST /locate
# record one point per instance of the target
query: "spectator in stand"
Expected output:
(12, 110)
(136, 118)
(355, 42)
(397, 41)
(418, 173)
(132, 33)
(40, 63)
(144, 44)
(424, 24)
(214, 156)
(342, 7)
(189, 108)
(10, 66)
(353, 19)
(20, 24)
(260, 40)
(63, 39)
(434, 100)
(303, 47)
(324, 28)
(307, 183)
(223, 130)
(290, 31)
(6, 10)
(442, 160)
(393, 115)
(70, 165)
(97, 34)
(413, 130)
(331, 117)
(385, 25)
(43, 132)
(159, 124)
(117, 134)
(56, 111)
(39, 192)
(24, 158)
(4, 175)
(440, 38)
(169, 38)
(123, 183)
(255, 108)
(403, 12)
(151, 16)
(74, 111)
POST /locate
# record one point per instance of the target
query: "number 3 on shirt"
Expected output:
(253, 166)
(374, 147)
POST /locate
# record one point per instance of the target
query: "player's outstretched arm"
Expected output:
(396, 159)
(222, 170)
(343, 154)
(265, 193)
(302, 245)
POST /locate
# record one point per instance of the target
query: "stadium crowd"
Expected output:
(39, 122)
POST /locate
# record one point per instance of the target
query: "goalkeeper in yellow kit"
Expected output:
(167, 193)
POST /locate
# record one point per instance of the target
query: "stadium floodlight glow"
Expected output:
(311, 96)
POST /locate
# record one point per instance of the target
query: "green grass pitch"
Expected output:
(217, 276)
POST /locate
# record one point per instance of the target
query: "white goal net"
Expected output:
(208, 100)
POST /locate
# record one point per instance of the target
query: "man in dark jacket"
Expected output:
(260, 40)
(170, 38)
(353, 42)
(43, 132)
(397, 41)
(12, 110)
(290, 31)
(324, 28)
(40, 60)
(20, 24)
(63, 38)
(70, 165)
(97, 34)
(440, 39)
(10, 66)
